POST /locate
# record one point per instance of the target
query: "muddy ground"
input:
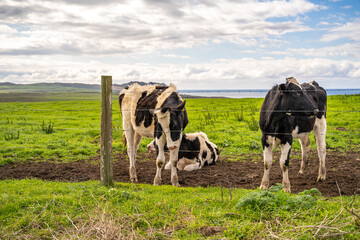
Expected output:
(343, 172)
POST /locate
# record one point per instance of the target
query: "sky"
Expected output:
(194, 44)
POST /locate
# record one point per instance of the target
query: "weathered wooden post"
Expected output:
(106, 157)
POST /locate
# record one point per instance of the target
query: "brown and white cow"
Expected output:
(196, 151)
(290, 111)
(157, 112)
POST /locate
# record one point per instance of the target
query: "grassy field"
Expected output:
(34, 209)
(68, 130)
(47, 87)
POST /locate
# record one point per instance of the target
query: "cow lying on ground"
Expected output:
(196, 151)
(290, 111)
(157, 112)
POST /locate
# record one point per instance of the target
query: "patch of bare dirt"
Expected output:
(343, 172)
(210, 231)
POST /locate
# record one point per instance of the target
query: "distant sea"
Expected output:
(253, 93)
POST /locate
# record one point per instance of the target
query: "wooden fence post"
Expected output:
(106, 157)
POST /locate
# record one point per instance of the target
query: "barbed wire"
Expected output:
(333, 132)
(188, 110)
(228, 142)
(240, 91)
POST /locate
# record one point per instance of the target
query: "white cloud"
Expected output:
(136, 26)
(79, 40)
(350, 30)
(6, 30)
(322, 23)
(343, 50)
(240, 73)
(176, 56)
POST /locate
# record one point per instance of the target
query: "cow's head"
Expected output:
(152, 147)
(172, 120)
(217, 152)
(214, 156)
(295, 100)
(214, 153)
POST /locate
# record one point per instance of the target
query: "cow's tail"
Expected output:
(121, 97)
(124, 139)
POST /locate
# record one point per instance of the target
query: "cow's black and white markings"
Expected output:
(153, 111)
(290, 111)
(196, 151)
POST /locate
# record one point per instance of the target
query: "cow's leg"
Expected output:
(320, 133)
(284, 165)
(137, 140)
(188, 165)
(192, 167)
(305, 149)
(181, 164)
(160, 160)
(174, 155)
(131, 151)
(267, 143)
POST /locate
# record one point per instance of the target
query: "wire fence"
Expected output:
(218, 117)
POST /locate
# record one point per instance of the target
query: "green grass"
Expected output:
(66, 127)
(47, 87)
(74, 127)
(34, 209)
(46, 97)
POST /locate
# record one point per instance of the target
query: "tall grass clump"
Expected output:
(12, 135)
(47, 128)
(209, 118)
(8, 121)
(240, 116)
(253, 124)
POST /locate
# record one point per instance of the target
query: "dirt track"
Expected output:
(343, 171)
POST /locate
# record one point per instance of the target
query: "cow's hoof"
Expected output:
(264, 185)
(134, 179)
(176, 185)
(301, 172)
(321, 178)
(157, 182)
(287, 189)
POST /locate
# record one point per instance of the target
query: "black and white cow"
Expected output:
(290, 111)
(157, 112)
(196, 151)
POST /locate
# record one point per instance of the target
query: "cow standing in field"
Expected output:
(157, 112)
(290, 111)
(196, 151)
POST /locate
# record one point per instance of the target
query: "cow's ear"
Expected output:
(155, 111)
(163, 110)
(181, 106)
(282, 88)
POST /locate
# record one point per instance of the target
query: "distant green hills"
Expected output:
(60, 87)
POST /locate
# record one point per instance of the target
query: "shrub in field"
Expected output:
(275, 200)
